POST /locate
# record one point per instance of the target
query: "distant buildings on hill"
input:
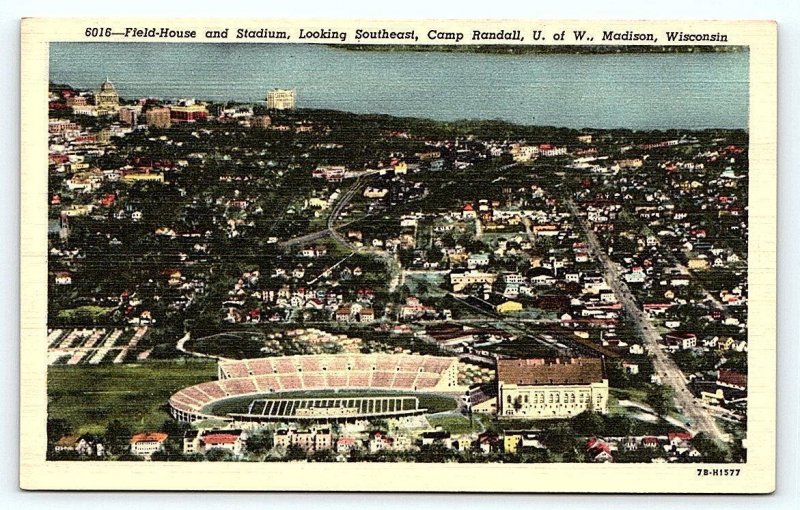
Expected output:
(281, 99)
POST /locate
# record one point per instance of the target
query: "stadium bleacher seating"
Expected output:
(359, 380)
(267, 383)
(337, 364)
(313, 381)
(382, 379)
(337, 380)
(314, 372)
(404, 380)
(291, 382)
(233, 370)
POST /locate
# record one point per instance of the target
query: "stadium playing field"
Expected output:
(242, 405)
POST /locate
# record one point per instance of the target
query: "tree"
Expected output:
(219, 455)
(588, 423)
(560, 438)
(322, 456)
(617, 377)
(164, 456)
(57, 428)
(660, 399)
(260, 442)
(117, 437)
(295, 452)
(709, 449)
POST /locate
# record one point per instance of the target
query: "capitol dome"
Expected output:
(107, 85)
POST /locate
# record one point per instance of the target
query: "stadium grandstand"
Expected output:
(264, 376)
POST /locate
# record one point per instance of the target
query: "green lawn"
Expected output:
(634, 394)
(89, 397)
(458, 424)
(88, 313)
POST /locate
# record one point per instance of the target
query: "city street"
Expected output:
(700, 420)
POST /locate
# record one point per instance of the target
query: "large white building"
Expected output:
(462, 279)
(281, 99)
(147, 443)
(550, 388)
(203, 440)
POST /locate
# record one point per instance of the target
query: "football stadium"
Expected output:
(336, 387)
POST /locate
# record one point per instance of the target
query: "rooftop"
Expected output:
(541, 371)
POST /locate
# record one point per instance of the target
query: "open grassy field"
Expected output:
(434, 403)
(459, 424)
(89, 397)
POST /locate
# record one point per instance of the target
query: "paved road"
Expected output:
(700, 419)
(332, 217)
(709, 297)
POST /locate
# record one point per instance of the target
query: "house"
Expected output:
(63, 278)
(379, 441)
(630, 368)
(679, 438)
(681, 341)
(343, 313)
(476, 260)
(309, 440)
(509, 307)
(635, 277)
(650, 442)
(698, 263)
(468, 212)
(599, 450)
(203, 440)
(488, 442)
(346, 445)
(66, 443)
(85, 446)
(147, 443)
(367, 315)
(433, 437)
(517, 440)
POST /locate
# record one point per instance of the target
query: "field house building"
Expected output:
(550, 388)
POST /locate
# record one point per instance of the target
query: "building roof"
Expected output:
(732, 378)
(220, 438)
(107, 85)
(541, 371)
(147, 437)
(684, 436)
(68, 441)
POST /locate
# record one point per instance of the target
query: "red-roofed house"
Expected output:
(346, 445)
(678, 438)
(147, 443)
(681, 340)
(200, 441)
(599, 450)
(650, 442)
(380, 441)
(468, 212)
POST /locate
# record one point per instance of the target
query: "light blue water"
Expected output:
(637, 91)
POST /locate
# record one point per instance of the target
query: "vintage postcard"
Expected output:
(452, 256)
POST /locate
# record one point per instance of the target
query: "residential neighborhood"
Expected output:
(589, 285)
